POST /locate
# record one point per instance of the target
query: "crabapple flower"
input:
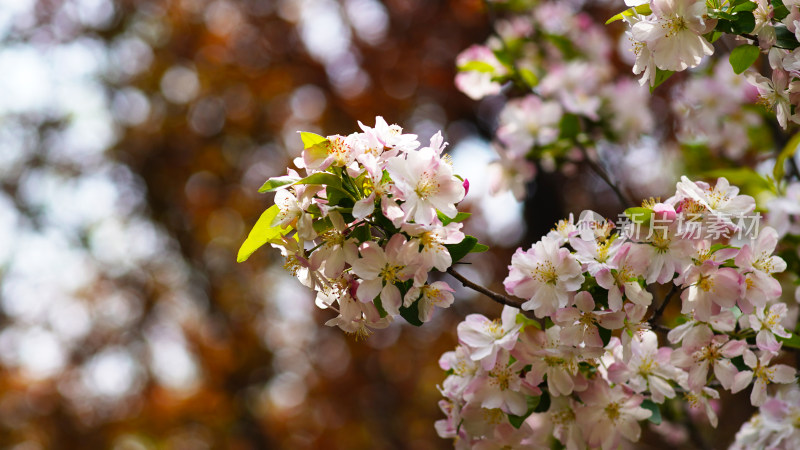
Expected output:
(478, 83)
(628, 265)
(704, 350)
(768, 325)
(765, 374)
(649, 368)
(773, 93)
(579, 325)
(758, 264)
(502, 388)
(709, 287)
(674, 32)
(609, 414)
(391, 136)
(432, 239)
(357, 318)
(701, 399)
(722, 201)
(380, 269)
(485, 338)
(545, 275)
(426, 184)
(527, 122)
(547, 356)
(437, 293)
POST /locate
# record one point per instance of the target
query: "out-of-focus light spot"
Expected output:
(94, 13)
(207, 116)
(111, 373)
(369, 19)
(130, 442)
(171, 363)
(12, 12)
(223, 17)
(130, 106)
(180, 84)
(470, 158)
(225, 223)
(130, 55)
(27, 87)
(40, 353)
(9, 217)
(201, 188)
(348, 79)
(70, 319)
(308, 102)
(323, 30)
(287, 390)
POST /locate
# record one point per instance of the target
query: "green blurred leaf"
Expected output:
(569, 126)
(516, 421)
(743, 57)
(641, 9)
(479, 248)
(661, 77)
(639, 215)
(527, 322)
(791, 147)
(529, 77)
(791, 342)
(262, 232)
(476, 66)
(653, 407)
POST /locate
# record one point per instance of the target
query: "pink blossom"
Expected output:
(609, 414)
(545, 274)
(486, 338)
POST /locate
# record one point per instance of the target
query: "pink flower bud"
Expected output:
(466, 187)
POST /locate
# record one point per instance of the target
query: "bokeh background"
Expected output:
(134, 135)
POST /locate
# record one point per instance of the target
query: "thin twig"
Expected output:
(694, 433)
(499, 298)
(626, 202)
(664, 304)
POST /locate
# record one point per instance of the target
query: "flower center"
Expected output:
(390, 272)
(427, 186)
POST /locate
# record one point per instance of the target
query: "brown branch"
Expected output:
(664, 304)
(499, 298)
(624, 199)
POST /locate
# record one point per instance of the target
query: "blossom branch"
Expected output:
(499, 298)
(624, 199)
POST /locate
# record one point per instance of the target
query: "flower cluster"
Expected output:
(373, 216)
(674, 35)
(592, 366)
(775, 426)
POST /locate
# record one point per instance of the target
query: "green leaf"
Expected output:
(479, 248)
(740, 23)
(569, 127)
(277, 182)
(411, 314)
(262, 232)
(460, 217)
(791, 342)
(743, 57)
(460, 250)
(325, 178)
(311, 139)
(476, 66)
(779, 10)
(379, 306)
(641, 9)
(791, 147)
(516, 421)
(529, 77)
(527, 322)
(661, 77)
(745, 6)
(785, 38)
(605, 335)
(639, 215)
(653, 407)
(740, 176)
(544, 403)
